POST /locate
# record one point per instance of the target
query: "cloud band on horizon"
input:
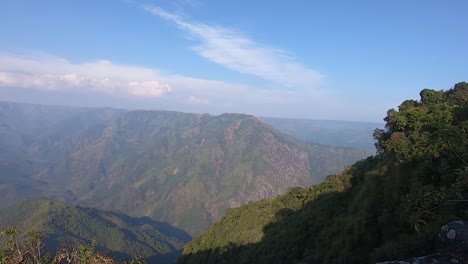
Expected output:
(53, 73)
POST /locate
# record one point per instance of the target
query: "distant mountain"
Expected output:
(117, 235)
(186, 169)
(389, 206)
(34, 136)
(329, 132)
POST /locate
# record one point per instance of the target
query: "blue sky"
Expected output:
(342, 60)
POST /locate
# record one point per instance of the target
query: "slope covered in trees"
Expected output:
(386, 207)
(114, 234)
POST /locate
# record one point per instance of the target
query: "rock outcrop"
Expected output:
(453, 239)
(452, 246)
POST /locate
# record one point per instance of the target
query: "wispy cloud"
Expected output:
(235, 51)
(52, 73)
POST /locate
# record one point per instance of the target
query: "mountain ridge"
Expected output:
(183, 168)
(329, 132)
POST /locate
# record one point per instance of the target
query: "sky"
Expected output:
(338, 60)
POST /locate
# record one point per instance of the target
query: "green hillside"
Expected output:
(386, 207)
(117, 235)
(184, 169)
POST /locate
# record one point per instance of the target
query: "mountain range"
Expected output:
(181, 168)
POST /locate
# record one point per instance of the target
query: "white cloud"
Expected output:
(237, 52)
(151, 89)
(51, 73)
(195, 100)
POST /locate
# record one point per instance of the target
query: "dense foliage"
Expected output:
(113, 234)
(386, 207)
(18, 248)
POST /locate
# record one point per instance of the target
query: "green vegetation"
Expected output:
(18, 249)
(386, 207)
(184, 169)
(63, 228)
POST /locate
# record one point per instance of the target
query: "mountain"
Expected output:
(34, 136)
(389, 206)
(117, 235)
(185, 169)
(329, 132)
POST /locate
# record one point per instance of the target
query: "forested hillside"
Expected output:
(113, 234)
(386, 207)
